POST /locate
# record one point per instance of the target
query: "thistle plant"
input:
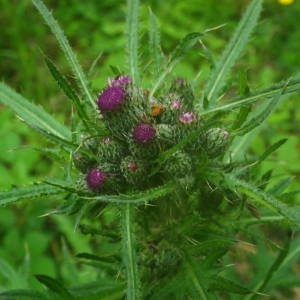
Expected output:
(171, 159)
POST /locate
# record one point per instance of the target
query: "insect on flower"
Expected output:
(156, 110)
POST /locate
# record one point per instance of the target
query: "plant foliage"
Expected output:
(168, 179)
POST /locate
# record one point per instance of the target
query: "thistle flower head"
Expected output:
(120, 81)
(187, 117)
(176, 104)
(111, 98)
(143, 133)
(95, 179)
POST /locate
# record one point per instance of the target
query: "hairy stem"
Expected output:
(129, 255)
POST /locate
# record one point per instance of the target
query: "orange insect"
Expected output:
(156, 110)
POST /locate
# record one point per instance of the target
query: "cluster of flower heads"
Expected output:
(139, 129)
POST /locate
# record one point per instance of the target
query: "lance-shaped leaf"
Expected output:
(155, 49)
(237, 43)
(67, 50)
(266, 200)
(55, 286)
(31, 192)
(68, 90)
(132, 39)
(31, 113)
(281, 87)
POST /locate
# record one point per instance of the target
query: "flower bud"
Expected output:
(187, 117)
(215, 141)
(132, 170)
(95, 179)
(178, 165)
(144, 133)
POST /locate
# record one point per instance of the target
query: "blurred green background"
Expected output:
(97, 27)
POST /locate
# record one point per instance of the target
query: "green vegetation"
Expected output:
(244, 246)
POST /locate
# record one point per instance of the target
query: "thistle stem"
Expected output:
(129, 255)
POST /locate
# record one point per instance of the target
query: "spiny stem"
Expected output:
(129, 255)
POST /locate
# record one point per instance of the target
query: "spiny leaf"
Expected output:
(259, 119)
(67, 50)
(54, 138)
(137, 198)
(237, 43)
(54, 285)
(267, 200)
(184, 45)
(132, 39)
(155, 45)
(68, 90)
(32, 114)
(286, 88)
(30, 192)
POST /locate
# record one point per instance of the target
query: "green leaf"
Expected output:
(132, 39)
(32, 114)
(237, 43)
(197, 281)
(54, 285)
(280, 187)
(24, 295)
(137, 198)
(184, 45)
(30, 192)
(154, 45)
(222, 284)
(281, 87)
(101, 289)
(272, 270)
(54, 138)
(271, 149)
(67, 50)
(267, 200)
(68, 90)
(259, 119)
(241, 117)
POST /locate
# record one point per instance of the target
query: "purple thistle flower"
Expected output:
(119, 81)
(187, 117)
(111, 98)
(95, 179)
(176, 104)
(144, 133)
